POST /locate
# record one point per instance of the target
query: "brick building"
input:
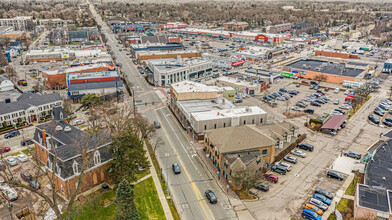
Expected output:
(150, 55)
(55, 79)
(236, 26)
(72, 147)
(336, 54)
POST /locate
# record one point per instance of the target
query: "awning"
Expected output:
(334, 122)
(238, 63)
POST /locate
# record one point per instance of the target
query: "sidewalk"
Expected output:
(141, 179)
(158, 187)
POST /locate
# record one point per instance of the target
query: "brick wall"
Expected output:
(166, 56)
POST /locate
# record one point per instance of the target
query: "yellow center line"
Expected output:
(195, 189)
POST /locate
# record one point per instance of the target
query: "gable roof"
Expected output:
(246, 157)
(154, 39)
(26, 100)
(58, 113)
(238, 138)
(334, 122)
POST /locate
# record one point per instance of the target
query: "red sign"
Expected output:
(238, 63)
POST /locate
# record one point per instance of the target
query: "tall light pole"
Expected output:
(167, 178)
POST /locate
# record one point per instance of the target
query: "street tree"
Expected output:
(320, 78)
(90, 100)
(3, 60)
(126, 207)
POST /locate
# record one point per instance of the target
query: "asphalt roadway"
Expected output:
(187, 188)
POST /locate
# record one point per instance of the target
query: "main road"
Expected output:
(187, 188)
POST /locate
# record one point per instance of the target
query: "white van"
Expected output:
(8, 192)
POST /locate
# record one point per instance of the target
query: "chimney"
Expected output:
(223, 100)
(44, 137)
(217, 113)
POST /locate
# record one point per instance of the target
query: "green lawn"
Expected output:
(350, 190)
(147, 200)
(94, 208)
(342, 205)
(27, 152)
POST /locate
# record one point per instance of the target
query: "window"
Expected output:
(58, 170)
(214, 126)
(97, 157)
(61, 116)
(48, 143)
(261, 120)
(76, 185)
(253, 121)
(264, 152)
(224, 124)
(205, 127)
(244, 122)
(75, 167)
(49, 163)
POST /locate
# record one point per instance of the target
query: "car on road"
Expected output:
(334, 174)
(279, 169)
(262, 186)
(12, 134)
(353, 154)
(11, 161)
(176, 168)
(318, 203)
(26, 142)
(374, 119)
(157, 124)
(298, 153)
(309, 214)
(22, 157)
(324, 192)
(26, 176)
(313, 208)
(336, 102)
(271, 177)
(290, 159)
(322, 198)
(305, 146)
(4, 149)
(211, 197)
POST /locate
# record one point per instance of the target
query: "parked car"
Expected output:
(310, 214)
(298, 153)
(322, 198)
(305, 146)
(26, 176)
(313, 208)
(388, 119)
(279, 169)
(313, 82)
(301, 104)
(318, 203)
(320, 92)
(374, 119)
(290, 159)
(271, 177)
(296, 108)
(378, 113)
(324, 192)
(347, 92)
(387, 123)
(262, 186)
(8, 192)
(26, 142)
(176, 168)
(334, 174)
(311, 86)
(12, 134)
(337, 90)
(284, 90)
(11, 161)
(4, 149)
(35, 184)
(353, 154)
(315, 104)
(309, 111)
(316, 87)
(284, 164)
(336, 102)
(211, 197)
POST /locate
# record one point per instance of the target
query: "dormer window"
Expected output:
(75, 167)
(97, 158)
(58, 170)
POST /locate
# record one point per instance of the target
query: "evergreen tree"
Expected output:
(126, 208)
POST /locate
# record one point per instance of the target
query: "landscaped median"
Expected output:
(101, 205)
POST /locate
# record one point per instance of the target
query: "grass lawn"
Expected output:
(142, 174)
(342, 205)
(350, 190)
(27, 152)
(147, 200)
(94, 208)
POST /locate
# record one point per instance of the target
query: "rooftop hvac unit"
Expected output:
(67, 128)
(59, 128)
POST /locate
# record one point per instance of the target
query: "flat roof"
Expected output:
(228, 113)
(358, 64)
(380, 167)
(190, 86)
(334, 122)
(373, 198)
(160, 52)
(89, 75)
(325, 67)
(237, 81)
(172, 63)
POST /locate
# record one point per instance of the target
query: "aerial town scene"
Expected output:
(195, 110)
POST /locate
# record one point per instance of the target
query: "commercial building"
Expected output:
(387, 66)
(357, 47)
(61, 55)
(29, 107)
(56, 79)
(151, 55)
(278, 28)
(325, 71)
(372, 200)
(5, 84)
(69, 148)
(243, 86)
(272, 39)
(236, 26)
(155, 46)
(120, 26)
(308, 28)
(247, 149)
(63, 36)
(20, 23)
(99, 83)
(14, 35)
(168, 71)
(336, 54)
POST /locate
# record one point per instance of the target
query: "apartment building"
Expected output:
(18, 23)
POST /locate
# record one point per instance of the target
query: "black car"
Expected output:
(262, 186)
(35, 184)
(176, 168)
(353, 154)
(340, 110)
(279, 169)
(388, 119)
(26, 142)
(320, 92)
(334, 174)
(313, 83)
(26, 176)
(283, 90)
(387, 123)
(315, 104)
(309, 111)
(211, 196)
(378, 113)
(325, 193)
(374, 119)
(304, 146)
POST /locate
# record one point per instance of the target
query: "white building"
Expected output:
(29, 107)
(5, 84)
(168, 71)
(18, 23)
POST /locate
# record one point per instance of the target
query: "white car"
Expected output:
(11, 161)
(8, 192)
(298, 153)
(22, 157)
(347, 92)
(296, 108)
(337, 90)
(336, 102)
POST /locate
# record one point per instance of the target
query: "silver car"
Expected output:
(298, 153)
(11, 161)
(319, 204)
(283, 164)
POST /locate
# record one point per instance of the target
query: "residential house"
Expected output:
(68, 149)
(5, 84)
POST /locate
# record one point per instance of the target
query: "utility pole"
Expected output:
(133, 101)
(167, 178)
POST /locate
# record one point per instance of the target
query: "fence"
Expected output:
(289, 148)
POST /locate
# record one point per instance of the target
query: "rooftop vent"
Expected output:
(59, 128)
(67, 128)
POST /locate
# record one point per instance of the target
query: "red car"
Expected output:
(4, 149)
(305, 82)
(271, 177)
